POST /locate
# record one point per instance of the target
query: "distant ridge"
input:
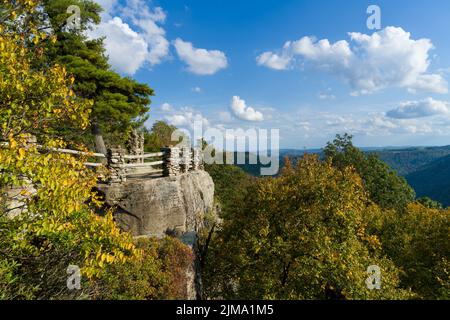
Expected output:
(408, 160)
(433, 180)
(427, 169)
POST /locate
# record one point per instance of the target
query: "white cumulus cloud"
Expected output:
(133, 35)
(200, 61)
(148, 22)
(420, 109)
(166, 107)
(244, 112)
(274, 61)
(186, 118)
(120, 33)
(107, 6)
(368, 63)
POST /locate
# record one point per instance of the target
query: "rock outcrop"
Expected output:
(156, 207)
(165, 206)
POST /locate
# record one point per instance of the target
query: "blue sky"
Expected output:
(290, 65)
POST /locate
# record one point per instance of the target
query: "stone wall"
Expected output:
(135, 145)
(17, 198)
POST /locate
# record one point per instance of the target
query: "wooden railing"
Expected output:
(123, 166)
(81, 153)
(70, 151)
(171, 161)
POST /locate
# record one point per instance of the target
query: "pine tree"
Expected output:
(119, 102)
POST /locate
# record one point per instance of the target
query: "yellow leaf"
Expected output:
(22, 153)
(12, 143)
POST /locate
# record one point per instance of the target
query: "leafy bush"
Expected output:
(161, 272)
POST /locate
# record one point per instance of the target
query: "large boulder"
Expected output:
(155, 207)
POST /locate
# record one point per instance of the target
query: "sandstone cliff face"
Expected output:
(161, 206)
(155, 207)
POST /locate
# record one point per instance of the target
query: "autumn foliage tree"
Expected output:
(385, 187)
(300, 236)
(46, 219)
(417, 240)
(159, 274)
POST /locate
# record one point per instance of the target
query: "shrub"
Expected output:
(160, 273)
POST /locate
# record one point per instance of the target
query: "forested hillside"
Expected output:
(286, 237)
(427, 169)
(408, 160)
(433, 180)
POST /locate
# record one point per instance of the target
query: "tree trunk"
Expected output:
(100, 146)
